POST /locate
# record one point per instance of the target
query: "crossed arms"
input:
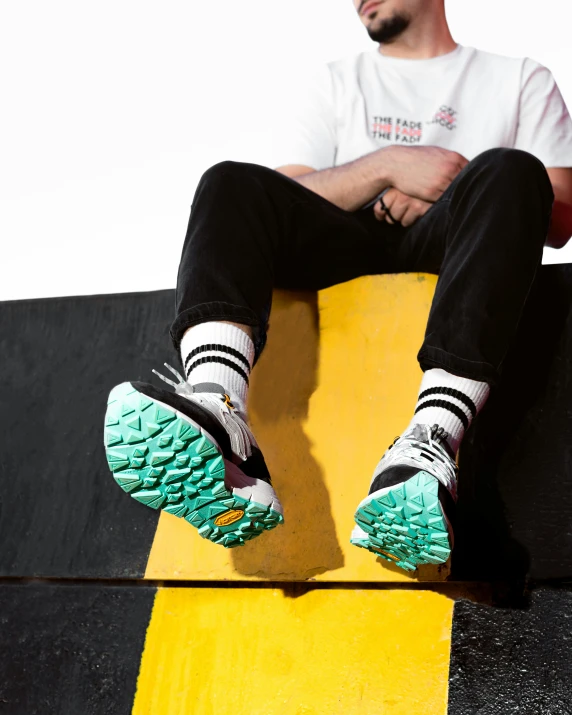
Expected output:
(416, 177)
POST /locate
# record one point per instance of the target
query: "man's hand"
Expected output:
(403, 209)
(421, 172)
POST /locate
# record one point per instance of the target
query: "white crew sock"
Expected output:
(220, 353)
(450, 401)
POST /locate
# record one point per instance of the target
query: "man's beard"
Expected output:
(389, 29)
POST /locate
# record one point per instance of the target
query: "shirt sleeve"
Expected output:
(306, 134)
(544, 126)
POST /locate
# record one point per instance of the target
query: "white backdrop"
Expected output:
(112, 110)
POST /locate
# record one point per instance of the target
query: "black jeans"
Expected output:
(252, 229)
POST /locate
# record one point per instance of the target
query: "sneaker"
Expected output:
(406, 517)
(189, 453)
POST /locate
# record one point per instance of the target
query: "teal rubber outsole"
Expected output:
(165, 462)
(405, 524)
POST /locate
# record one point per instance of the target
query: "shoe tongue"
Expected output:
(209, 387)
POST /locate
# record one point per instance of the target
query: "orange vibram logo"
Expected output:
(229, 517)
(227, 402)
(385, 553)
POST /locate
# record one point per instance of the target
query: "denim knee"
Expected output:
(231, 173)
(516, 165)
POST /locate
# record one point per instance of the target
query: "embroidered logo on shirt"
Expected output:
(446, 117)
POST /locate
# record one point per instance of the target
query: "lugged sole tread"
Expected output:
(406, 524)
(166, 463)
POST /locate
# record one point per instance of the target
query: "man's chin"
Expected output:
(388, 30)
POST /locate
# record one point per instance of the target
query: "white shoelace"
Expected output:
(241, 438)
(430, 456)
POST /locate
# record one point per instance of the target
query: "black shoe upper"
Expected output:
(399, 473)
(254, 466)
(396, 474)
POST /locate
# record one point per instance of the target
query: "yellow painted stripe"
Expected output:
(324, 406)
(329, 652)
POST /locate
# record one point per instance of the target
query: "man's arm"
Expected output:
(561, 225)
(419, 172)
(349, 186)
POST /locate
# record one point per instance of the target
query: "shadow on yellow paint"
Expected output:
(336, 383)
(252, 651)
(282, 385)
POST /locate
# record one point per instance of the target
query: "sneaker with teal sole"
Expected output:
(407, 516)
(192, 455)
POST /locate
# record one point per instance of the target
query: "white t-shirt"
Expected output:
(467, 100)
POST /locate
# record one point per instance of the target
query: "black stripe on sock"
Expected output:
(220, 361)
(220, 349)
(451, 392)
(457, 411)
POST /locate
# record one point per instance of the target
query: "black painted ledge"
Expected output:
(59, 519)
(515, 488)
(512, 661)
(71, 649)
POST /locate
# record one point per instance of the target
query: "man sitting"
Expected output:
(422, 155)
